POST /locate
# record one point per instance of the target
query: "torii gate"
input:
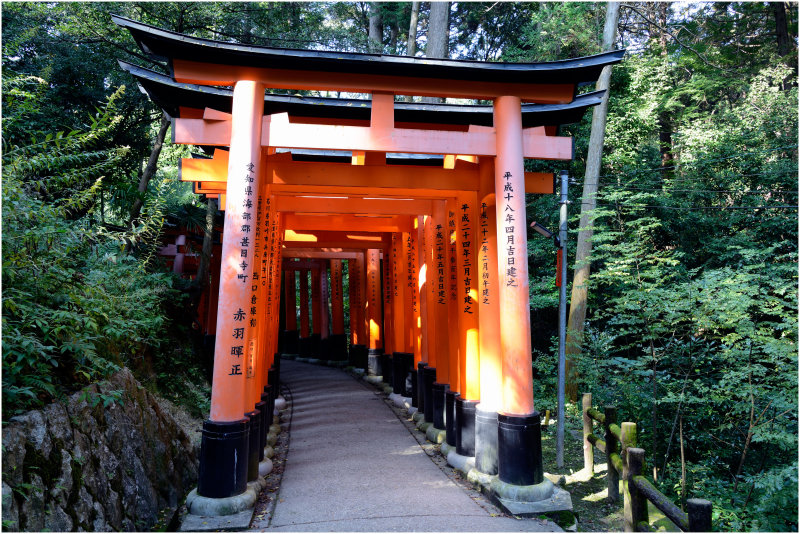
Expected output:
(462, 255)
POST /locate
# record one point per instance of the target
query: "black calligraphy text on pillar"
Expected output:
(466, 242)
(441, 292)
(451, 224)
(412, 271)
(509, 224)
(484, 254)
(238, 334)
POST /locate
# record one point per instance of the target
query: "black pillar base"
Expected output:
(305, 347)
(519, 449)
(290, 342)
(465, 428)
(485, 441)
(254, 443)
(430, 378)
(374, 362)
(338, 347)
(400, 366)
(315, 343)
(414, 385)
(421, 366)
(450, 423)
(358, 356)
(324, 348)
(439, 391)
(386, 367)
(223, 446)
(276, 363)
(261, 408)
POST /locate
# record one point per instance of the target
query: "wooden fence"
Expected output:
(624, 458)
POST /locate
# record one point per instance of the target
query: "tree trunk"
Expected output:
(438, 38)
(208, 242)
(583, 249)
(375, 29)
(411, 44)
(781, 28)
(150, 169)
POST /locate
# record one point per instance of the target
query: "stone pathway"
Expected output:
(353, 466)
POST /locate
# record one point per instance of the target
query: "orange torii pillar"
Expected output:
(388, 329)
(438, 311)
(316, 311)
(428, 326)
(373, 312)
(421, 320)
(358, 346)
(453, 294)
(469, 348)
(489, 319)
(519, 432)
(305, 333)
(411, 307)
(291, 334)
(324, 296)
(225, 439)
(402, 359)
(338, 339)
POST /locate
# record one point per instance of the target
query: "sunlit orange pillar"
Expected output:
(225, 444)
(438, 282)
(338, 338)
(305, 332)
(489, 320)
(519, 434)
(411, 307)
(290, 291)
(374, 302)
(469, 355)
(428, 317)
(316, 311)
(388, 315)
(401, 358)
(453, 313)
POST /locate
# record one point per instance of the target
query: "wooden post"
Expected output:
(304, 326)
(452, 293)
(588, 450)
(611, 446)
(638, 506)
(337, 302)
(398, 292)
(291, 301)
(438, 281)
(628, 442)
(699, 512)
(316, 305)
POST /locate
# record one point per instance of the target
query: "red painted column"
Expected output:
(519, 438)
(439, 309)
(388, 311)
(354, 300)
(222, 465)
(304, 323)
(453, 313)
(374, 302)
(422, 258)
(399, 264)
(338, 337)
(291, 300)
(316, 306)
(412, 295)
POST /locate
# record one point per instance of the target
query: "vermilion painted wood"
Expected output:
(398, 265)
(209, 74)
(316, 303)
(304, 326)
(515, 328)
(374, 299)
(291, 300)
(228, 393)
(422, 258)
(469, 345)
(439, 280)
(491, 385)
(452, 296)
(337, 300)
(348, 223)
(280, 132)
(388, 310)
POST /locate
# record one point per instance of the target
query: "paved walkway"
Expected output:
(353, 466)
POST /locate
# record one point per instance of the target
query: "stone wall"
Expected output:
(77, 467)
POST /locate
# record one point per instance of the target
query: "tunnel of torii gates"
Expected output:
(424, 202)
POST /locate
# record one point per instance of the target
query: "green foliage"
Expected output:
(75, 306)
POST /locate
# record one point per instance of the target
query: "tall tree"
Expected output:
(583, 250)
(438, 38)
(375, 28)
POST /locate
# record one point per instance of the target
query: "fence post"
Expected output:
(611, 446)
(638, 507)
(588, 450)
(628, 442)
(699, 512)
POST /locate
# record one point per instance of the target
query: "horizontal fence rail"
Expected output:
(626, 459)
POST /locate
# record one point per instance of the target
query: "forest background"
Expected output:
(692, 299)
